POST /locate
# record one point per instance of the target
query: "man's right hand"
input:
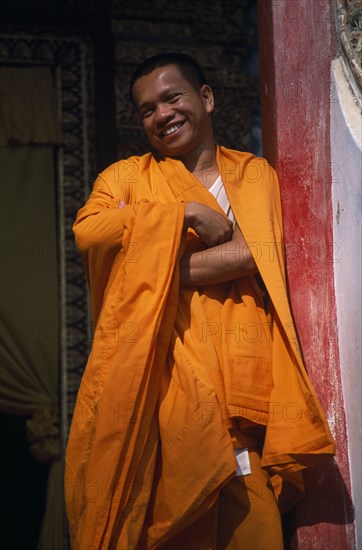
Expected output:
(212, 227)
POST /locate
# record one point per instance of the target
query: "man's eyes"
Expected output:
(172, 98)
(146, 112)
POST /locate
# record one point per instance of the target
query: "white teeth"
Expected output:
(172, 129)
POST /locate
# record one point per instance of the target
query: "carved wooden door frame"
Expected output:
(69, 57)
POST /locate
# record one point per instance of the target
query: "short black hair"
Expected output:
(188, 66)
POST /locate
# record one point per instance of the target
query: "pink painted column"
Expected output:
(296, 47)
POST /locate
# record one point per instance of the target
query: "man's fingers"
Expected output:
(211, 226)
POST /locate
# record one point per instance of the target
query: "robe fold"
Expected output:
(170, 367)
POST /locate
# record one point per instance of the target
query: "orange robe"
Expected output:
(149, 448)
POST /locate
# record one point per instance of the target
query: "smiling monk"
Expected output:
(195, 415)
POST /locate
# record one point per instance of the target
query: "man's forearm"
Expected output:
(220, 263)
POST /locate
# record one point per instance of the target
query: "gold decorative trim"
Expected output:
(349, 28)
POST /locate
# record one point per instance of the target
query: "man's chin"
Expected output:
(173, 151)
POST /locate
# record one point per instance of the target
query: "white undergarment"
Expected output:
(218, 190)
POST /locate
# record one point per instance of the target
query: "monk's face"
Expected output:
(175, 115)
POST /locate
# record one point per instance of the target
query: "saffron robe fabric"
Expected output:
(172, 368)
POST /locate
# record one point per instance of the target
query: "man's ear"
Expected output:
(207, 97)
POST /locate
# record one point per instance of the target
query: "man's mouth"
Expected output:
(172, 129)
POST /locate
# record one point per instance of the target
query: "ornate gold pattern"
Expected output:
(349, 22)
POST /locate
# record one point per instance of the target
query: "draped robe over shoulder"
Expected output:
(149, 448)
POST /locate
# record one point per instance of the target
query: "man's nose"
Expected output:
(163, 114)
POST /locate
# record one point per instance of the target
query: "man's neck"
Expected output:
(203, 165)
